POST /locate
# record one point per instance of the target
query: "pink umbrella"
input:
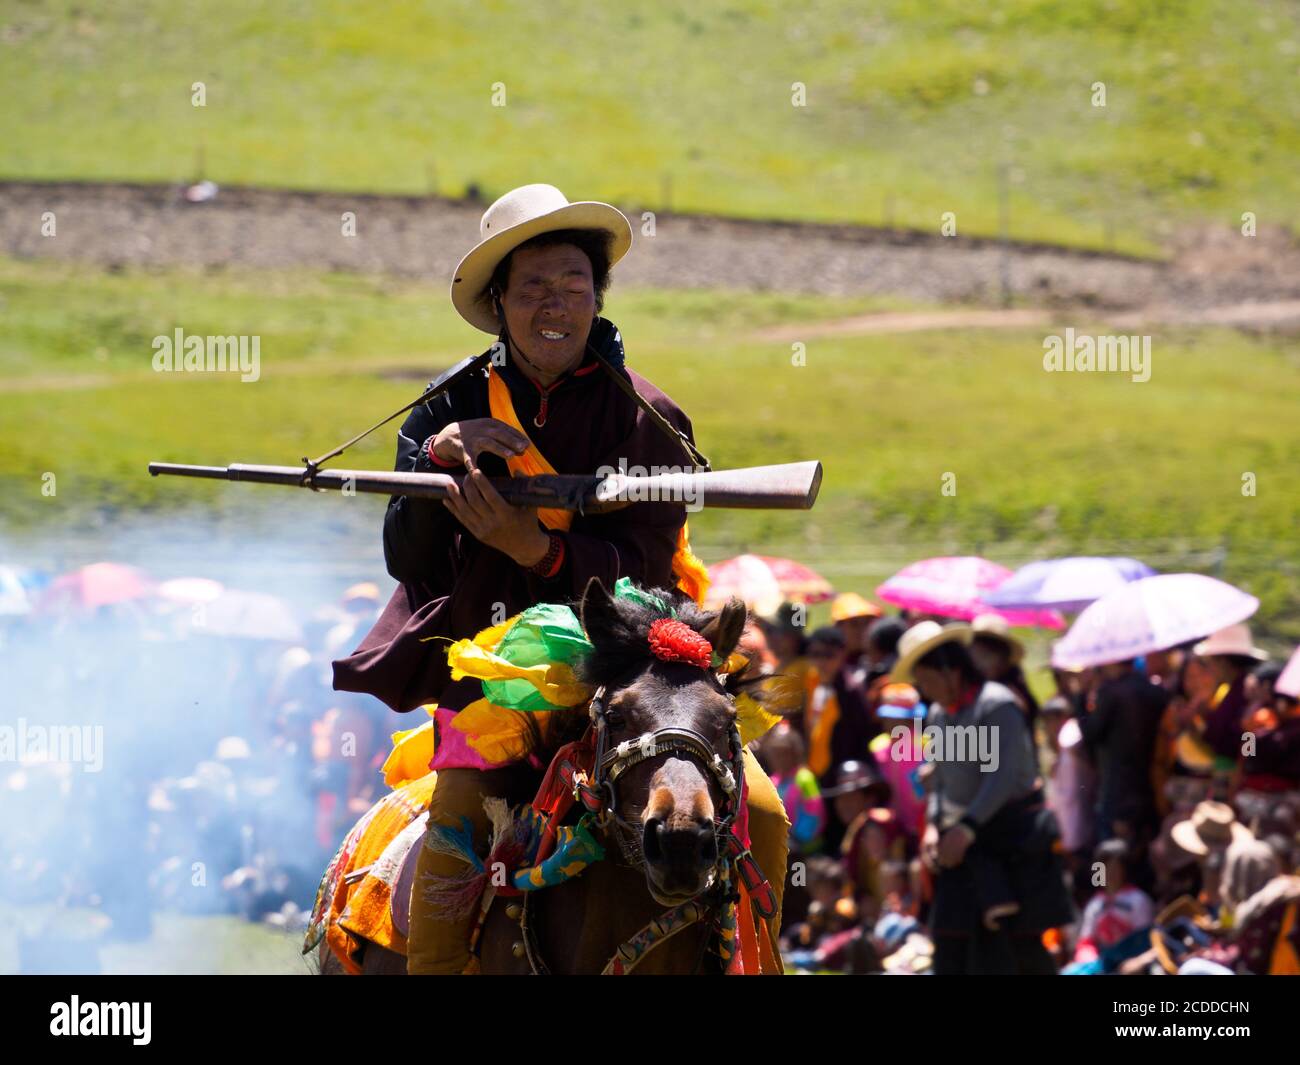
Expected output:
(96, 585)
(764, 583)
(952, 587)
(1149, 615)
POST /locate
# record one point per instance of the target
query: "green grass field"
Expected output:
(910, 106)
(1054, 463)
(178, 945)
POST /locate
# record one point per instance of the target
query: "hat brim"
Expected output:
(1185, 835)
(902, 671)
(1206, 649)
(848, 789)
(469, 282)
(1014, 646)
(891, 712)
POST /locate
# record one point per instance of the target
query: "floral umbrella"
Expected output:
(1065, 583)
(96, 585)
(953, 587)
(764, 583)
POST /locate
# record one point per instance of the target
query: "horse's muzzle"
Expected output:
(680, 859)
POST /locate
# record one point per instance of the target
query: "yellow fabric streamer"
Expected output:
(692, 575)
(734, 663)
(554, 681)
(411, 754)
(752, 720)
(497, 733)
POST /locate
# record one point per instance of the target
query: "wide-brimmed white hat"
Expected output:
(1213, 825)
(1234, 640)
(996, 627)
(520, 214)
(919, 641)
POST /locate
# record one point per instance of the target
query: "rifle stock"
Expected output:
(789, 486)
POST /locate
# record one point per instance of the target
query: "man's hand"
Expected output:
(953, 845)
(465, 441)
(513, 531)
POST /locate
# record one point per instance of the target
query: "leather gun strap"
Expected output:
(693, 453)
(435, 390)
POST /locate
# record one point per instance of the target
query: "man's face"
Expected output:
(855, 633)
(1223, 669)
(828, 660)
(550, 304)
(942, 686)
(850, 805)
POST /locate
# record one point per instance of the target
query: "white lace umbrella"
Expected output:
(1149, 615)
(251, 615)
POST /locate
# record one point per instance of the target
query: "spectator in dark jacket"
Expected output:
(839, 727)
(990, 840)
(1120, 734)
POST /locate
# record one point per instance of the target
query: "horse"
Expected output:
(666, 784)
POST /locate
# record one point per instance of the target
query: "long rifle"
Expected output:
(790, 486)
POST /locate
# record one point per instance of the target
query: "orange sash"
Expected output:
(824, 712)
(532, 463)
(692, 576)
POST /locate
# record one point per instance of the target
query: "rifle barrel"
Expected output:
(791, 486)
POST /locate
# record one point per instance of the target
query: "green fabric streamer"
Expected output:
(625, 589)
(546, 634)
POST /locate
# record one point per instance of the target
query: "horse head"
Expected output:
(669, 759)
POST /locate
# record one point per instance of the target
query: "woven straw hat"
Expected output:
(517, 216)
(919, 641)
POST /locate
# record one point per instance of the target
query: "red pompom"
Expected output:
(675, 641)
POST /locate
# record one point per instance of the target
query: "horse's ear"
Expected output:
(597, 611)
(725, 629)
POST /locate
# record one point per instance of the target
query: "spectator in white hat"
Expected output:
(1232, 654)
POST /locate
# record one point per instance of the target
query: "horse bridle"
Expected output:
(612, 763)
(600, 797)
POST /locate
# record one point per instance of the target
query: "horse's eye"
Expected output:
(613, 719)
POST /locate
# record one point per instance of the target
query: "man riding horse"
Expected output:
(551, 396)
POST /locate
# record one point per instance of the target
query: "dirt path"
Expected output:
(131, 225)
(1280, 315)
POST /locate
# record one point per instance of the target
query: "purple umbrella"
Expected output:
(951, 587)
(1152, 614)
(1065, 583)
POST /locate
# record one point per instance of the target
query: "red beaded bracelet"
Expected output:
(549, 564)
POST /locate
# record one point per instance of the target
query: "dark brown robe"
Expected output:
(452, 586)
